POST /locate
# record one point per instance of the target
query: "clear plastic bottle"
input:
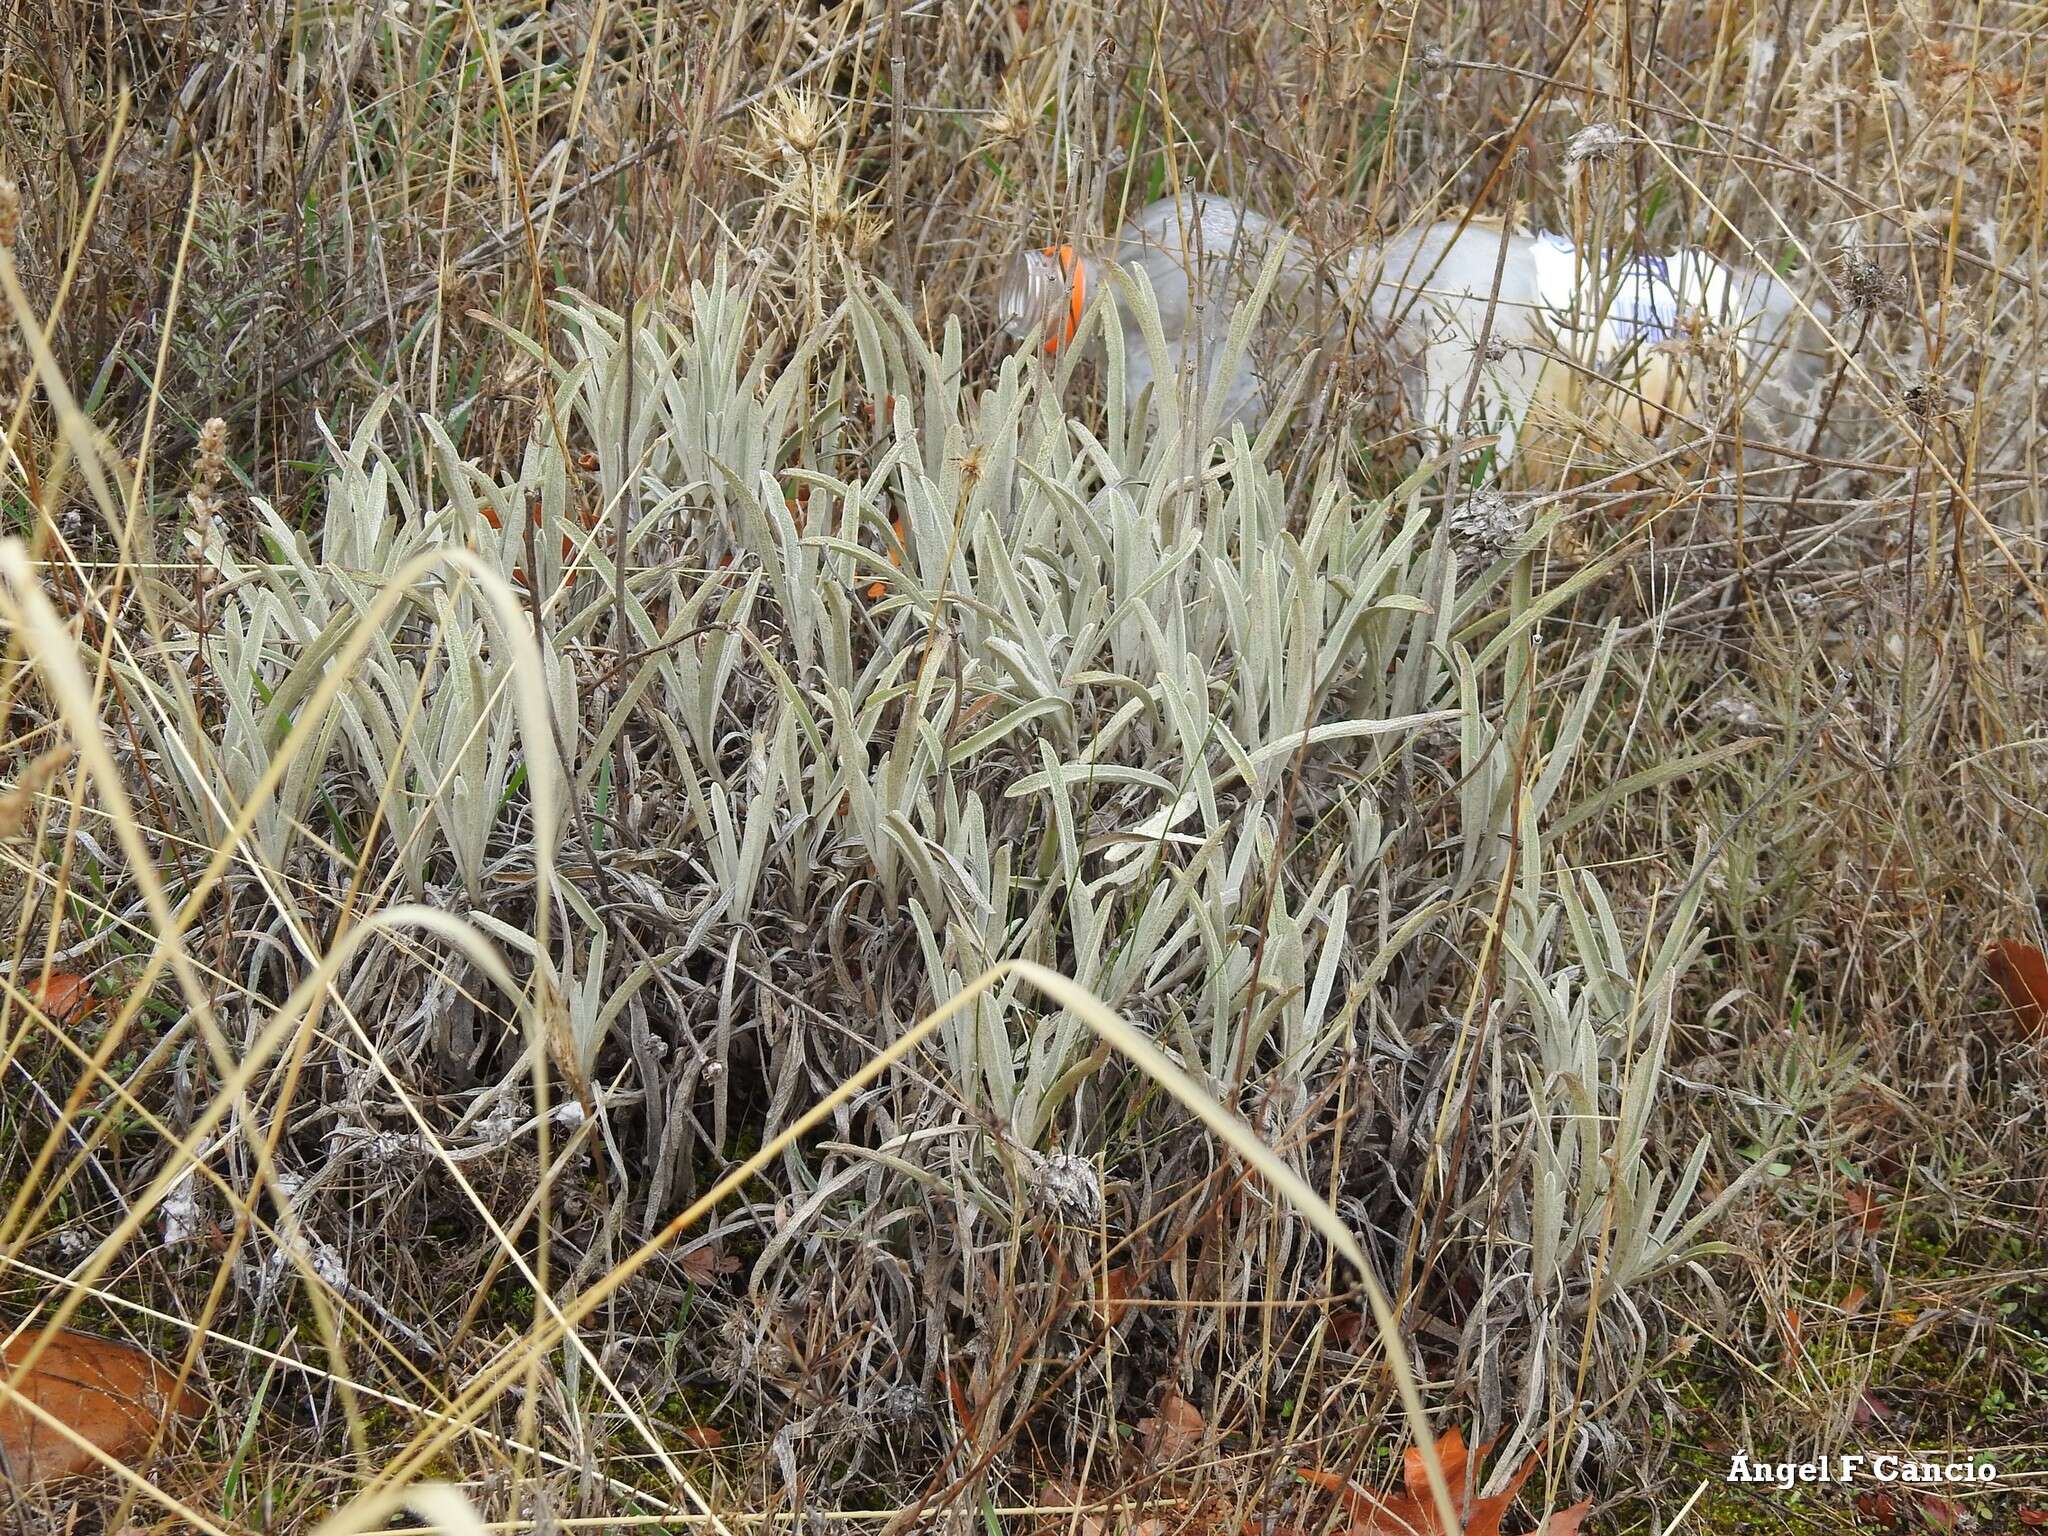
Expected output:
(1561, 340)
(1202, 256)
(1575, 340)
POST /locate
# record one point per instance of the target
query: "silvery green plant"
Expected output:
(1118, 675)
(424, 727)
(1266, 763)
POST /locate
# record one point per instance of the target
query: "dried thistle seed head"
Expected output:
(809, 190)
(1869, 286)
(10, 212)
(864, 231)
(901, 1404)
(791, 124)
(732, 1350)
(1485, 526)
(1067, 1188)
(1927, 397)
(1739, 712)
(1434, 57)
(1014, 117)
(1594, 144)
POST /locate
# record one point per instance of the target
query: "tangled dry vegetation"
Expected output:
(568, 705)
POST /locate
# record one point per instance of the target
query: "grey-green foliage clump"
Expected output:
(1252, 756)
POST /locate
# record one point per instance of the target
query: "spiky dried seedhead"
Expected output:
(902, 1404)
(1739, 712)
(1067, 1188)
(1485, 526)
(795, 132)
(792, 124)
(1869, 286)
(1015, 117)
(1594, 144)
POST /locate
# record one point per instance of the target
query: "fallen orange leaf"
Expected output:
(2020, 972)
(1940, 1513)
(1175, 1430)
(705, 1265)
(108, 1394)
(966, 1414)
(1880, 1507)
(877, 588)
(1114, 1299)
(1414, 1512)
(63, 995)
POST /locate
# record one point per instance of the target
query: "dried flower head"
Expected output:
(902, 1403)
(791, 124)
(1594, 144)
(1016, 114)
(1067, 1188)
(731, 1349)
(1739, 712)
(1485, 526)
(10, 212)
(862, 230)
(213, 452)
(207, 470)
(1927, 397)
(795, 130)
(1870, 288)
